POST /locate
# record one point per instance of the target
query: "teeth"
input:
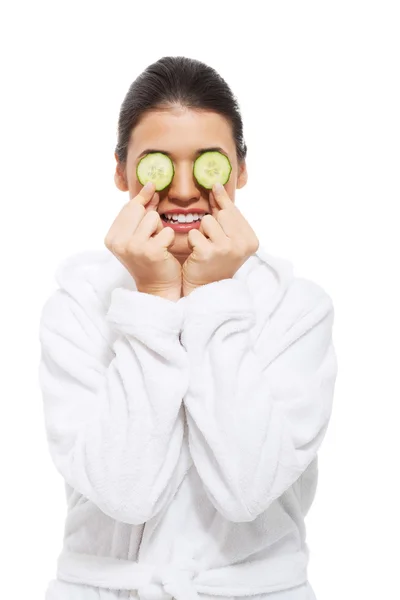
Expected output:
(185, 218)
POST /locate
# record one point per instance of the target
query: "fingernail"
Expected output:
(218, 187)
(148, 186)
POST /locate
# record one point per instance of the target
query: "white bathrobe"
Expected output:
(186, 432)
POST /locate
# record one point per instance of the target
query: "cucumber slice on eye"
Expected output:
(156, 167)
(210, 168)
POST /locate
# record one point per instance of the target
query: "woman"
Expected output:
(187, 375)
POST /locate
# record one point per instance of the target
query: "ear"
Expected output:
(119, 176)
(242, 175)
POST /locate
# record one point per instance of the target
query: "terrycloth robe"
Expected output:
(186, 432)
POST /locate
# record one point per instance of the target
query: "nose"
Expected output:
(183, 188)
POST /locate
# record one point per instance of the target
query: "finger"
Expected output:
(163, 233)
(197, 242)
(161, 236)
(214, 206)
(131, 214)
(145, 194)
(125, 223)
(147, 197)
(165, 237)
(213, 230)
(221, 196)
(154, 202)
(150, 226)
(231, 222)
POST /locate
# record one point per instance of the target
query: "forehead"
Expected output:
(181, 132)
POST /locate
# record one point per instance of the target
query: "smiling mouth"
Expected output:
(176, 220)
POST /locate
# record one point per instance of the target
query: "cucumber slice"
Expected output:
(156, 167)
(211, 167)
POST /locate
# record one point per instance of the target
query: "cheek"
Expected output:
(230, 188)
(134, 188)
(133, 182)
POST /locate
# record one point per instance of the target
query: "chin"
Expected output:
(180, 256)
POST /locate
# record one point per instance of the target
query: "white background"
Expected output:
(318, 85)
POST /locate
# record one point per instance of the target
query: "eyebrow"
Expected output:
(199, 151)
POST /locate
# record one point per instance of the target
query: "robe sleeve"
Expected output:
(113, 411)
(257, 408)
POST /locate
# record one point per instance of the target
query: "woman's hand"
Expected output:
(140, 241)
(230, 242)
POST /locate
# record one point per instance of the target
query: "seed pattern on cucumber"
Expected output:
(156, 167)
(208, 168)
(212, 167)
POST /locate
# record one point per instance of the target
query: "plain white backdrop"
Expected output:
(318, 85)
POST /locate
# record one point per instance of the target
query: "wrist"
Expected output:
(187, 289)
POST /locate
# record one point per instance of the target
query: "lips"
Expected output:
(181, 227)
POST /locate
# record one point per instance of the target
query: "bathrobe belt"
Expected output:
(184, 581)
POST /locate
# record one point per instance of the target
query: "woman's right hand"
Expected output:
(140, 241)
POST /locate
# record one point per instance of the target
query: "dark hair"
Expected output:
(178, 80)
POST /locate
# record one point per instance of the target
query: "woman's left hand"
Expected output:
(230, 242)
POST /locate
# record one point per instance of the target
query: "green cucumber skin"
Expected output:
(221, 180)
(198, 177)
(144, 181)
